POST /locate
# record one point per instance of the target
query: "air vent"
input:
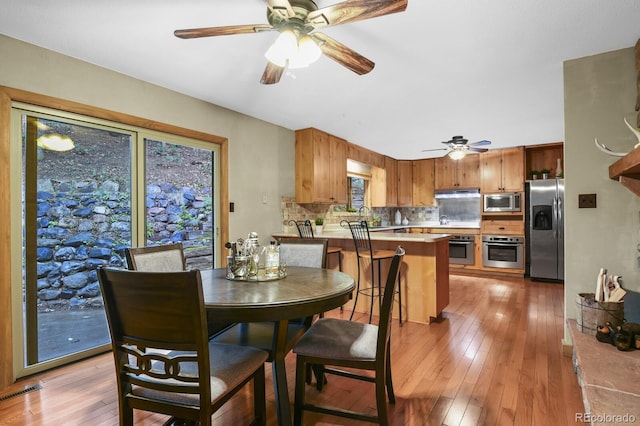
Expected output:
(27, 388)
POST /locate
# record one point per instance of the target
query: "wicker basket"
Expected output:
(591, 313)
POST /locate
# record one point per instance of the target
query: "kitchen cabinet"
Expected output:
(405, 183)
(391, 172)
(423, 182)
(457, 174)
(321, 167)
(502, 170)
(545, 156)
(364, 155)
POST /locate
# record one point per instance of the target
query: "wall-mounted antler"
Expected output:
(602, 147)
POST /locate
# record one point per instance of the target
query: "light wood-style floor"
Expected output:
(496, 359)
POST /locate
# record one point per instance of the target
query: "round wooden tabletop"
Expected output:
(303, 292)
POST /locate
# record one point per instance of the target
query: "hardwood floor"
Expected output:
(496, 359)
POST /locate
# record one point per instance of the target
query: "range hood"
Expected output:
(457, 193)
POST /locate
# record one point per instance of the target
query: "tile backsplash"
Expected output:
(335, 213)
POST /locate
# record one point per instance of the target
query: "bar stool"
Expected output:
(306, 231)
(364, 250)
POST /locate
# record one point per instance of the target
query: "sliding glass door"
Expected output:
(89, 189)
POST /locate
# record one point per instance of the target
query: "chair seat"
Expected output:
(349, 340)
(229, 365)
(379, 254)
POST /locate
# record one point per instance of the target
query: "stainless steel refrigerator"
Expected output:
(545, 229)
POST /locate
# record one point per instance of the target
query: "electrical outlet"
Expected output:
(264, 199)
(587, 201)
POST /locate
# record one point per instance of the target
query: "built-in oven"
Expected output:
(500, 251)
(461, 250)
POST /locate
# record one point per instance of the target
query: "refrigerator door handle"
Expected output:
(555, 217)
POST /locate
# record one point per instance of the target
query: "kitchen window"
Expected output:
(358, 178)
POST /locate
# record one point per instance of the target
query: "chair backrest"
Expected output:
(304, 252)
(158, 329)
(164, 258)
(384, 326)
(361, 237)
(305, 230)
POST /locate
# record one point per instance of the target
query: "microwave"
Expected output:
(502, 202)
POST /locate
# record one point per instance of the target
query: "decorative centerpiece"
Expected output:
(247, 261)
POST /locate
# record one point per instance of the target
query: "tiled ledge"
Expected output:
(609, 378)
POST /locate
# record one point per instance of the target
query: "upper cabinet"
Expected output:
(423, 182)
(364, 155)
(405, 183)
(321, 167)
(502, 170)
(546, 156)
(457, 174)
(391, 170)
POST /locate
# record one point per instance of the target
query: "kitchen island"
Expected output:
(424, 271)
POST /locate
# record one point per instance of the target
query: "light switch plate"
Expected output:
(587, 201)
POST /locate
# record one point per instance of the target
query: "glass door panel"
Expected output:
(77, 209)
(179, 194)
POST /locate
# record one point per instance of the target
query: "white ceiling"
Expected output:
(485, 69)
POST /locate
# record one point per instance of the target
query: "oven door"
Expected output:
(502, 255)
(461, 252)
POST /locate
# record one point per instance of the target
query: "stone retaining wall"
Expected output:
(84, 225)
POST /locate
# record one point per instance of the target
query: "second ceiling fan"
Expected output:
(299, 44)
(458, 147)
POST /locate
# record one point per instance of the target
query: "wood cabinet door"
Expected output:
(513, 169)
(423, 182)
(405, 183)
(338, 170)
(445, 169)
(391, 169)
(322, 185)
(491, 171)
(468, 172)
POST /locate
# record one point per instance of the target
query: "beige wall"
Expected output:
(599, 92)
(261, 155)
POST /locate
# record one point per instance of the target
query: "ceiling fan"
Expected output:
(458, 147)
(298, 44)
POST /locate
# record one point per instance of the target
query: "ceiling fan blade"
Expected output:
(477, 149)
(219, 31)
(342, 54)
(354, 10)
(435, 149)
(480, 143)
(272, 74)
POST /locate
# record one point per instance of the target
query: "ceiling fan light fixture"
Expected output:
(457, 154)
(285, 46)
(308, 52)
(293, 52)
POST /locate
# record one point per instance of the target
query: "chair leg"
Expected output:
(388, 380)
(400, 298)
(299, 391)
(259, 398)
(381, 398)
(373, 288)
(355, 302)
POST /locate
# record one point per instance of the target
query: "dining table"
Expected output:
(303, 292)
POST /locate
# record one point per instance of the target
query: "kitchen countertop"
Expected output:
(429, 224)
(375, 236)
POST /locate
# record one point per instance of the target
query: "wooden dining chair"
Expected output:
(167, 258)
(294, 252)
(337, 344)
(305, 230)
(177, 372)
(162, 258)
